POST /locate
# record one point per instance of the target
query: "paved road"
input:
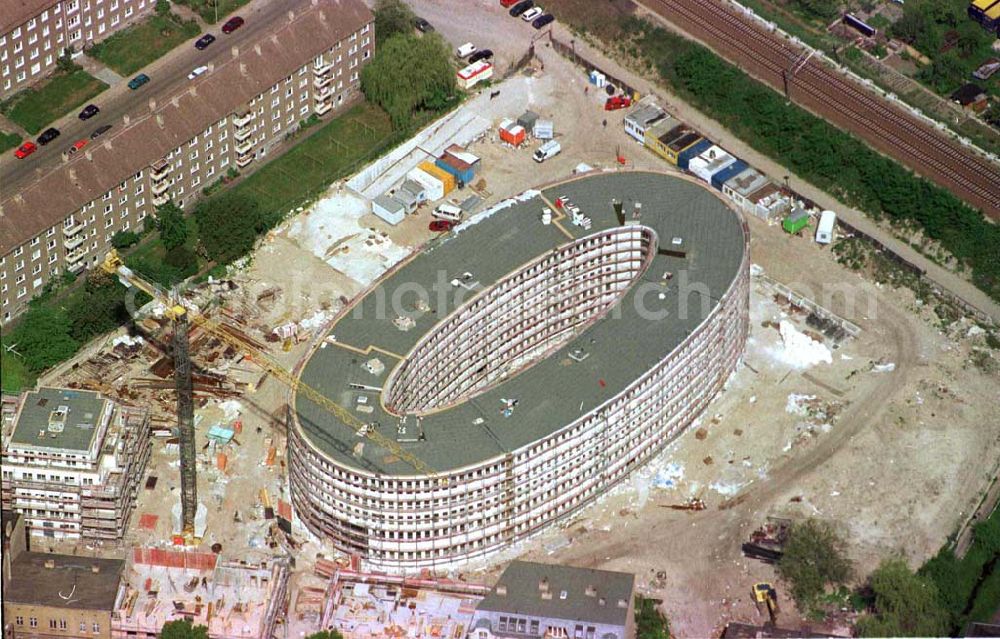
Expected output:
(168, 77)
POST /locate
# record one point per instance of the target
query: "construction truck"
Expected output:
(766, 598)
(767, 543)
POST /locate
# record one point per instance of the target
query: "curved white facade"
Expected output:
(405, 523)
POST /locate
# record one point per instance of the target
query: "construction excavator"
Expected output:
(766, 598)
(181, 318)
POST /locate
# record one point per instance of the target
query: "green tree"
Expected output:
(392, 17)
(163, 7)
(99, 308)
(229, 224)
(905, 604)
(182, 629)
(822, 9)
(650, 623)
(408, 74)
(124, 239)
(43, 338)
(815, 556)
(172, 226)
(326, 634)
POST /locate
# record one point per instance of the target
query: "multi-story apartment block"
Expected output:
(73, 463)
(230, 118)
(34, 33)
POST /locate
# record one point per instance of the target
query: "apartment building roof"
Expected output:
(64, 581)
(250, 71)
(17, 12)
(562, 592)
(555, 390)
(60, 418)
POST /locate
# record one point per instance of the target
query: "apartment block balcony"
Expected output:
(322, 108)
(242, 133)
(323, 68)
(71, 243)
(244, 146)
(244, 160)
(160, 187)
(72, 230)
(75, 268)
(159, 169)
(321, 81)
(322, 94)
(74, 257)
(243, 120)
(161, 199)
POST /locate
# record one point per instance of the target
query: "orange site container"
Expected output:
(514, 135)
(238, 426)
(221, 460)
(271, 453)
(446, 178)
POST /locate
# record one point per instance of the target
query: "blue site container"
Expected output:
(723, 176)
(684, 157)
(463, 174)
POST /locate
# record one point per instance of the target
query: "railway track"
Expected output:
(843, 101)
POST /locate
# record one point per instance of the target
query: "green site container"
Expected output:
(795, 222)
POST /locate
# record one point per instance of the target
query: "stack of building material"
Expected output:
(512, 133)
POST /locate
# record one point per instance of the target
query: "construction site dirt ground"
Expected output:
(895, 457)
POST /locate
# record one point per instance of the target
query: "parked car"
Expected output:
(422, 25)
(532, 13)
(440, 226)
(197, 71)
(544, 20)
(616, 102)
(88, 112)
(99, 131)
(547, 150)
(465, 50)
(138, 81)
(202, 43)
(233, 24)
(48, 135)
(448, 213)
(25, 150)
(507, 4)
(521, 7)
(79, 144)
(482, 54)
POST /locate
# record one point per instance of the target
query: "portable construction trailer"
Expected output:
(473, 74)
(734, 169)
(447, 179)
(825, 228)
(693, 151)
(389, 209)
(463, 172)
(432, 185)
(543, 130)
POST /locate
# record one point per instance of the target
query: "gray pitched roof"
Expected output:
(569, 587)
(78, 583)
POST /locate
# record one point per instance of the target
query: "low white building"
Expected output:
(433, 187)
(389, 209)
(709, 162)
(73, 462)
(741, 186)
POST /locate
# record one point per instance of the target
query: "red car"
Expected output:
(507, 4)
(232, 24)
(440, 226)
(79, 144)
(25, 150)
(616, 102)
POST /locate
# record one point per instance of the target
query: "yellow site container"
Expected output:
(446, 178)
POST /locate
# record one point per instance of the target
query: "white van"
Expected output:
(448, 212)
(465, 50)
(547, 150)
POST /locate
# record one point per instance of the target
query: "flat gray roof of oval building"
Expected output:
(557, 390)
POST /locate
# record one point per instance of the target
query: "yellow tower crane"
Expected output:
(175, 309)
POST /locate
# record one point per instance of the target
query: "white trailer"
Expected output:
(824, 230)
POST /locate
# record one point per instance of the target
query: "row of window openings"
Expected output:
(57, 623)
